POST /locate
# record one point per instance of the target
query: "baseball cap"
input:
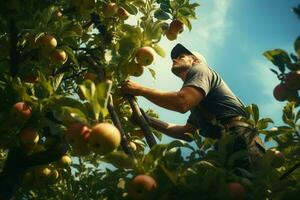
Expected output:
(179, 49)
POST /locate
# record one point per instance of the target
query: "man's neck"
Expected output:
(183, 75)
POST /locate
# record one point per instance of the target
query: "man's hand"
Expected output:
(130, 87)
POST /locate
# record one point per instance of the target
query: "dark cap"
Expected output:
(178, 50)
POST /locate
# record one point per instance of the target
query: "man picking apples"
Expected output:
(214, 107)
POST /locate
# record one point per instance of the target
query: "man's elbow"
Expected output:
(183, 108)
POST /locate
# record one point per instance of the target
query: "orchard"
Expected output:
(68, 132)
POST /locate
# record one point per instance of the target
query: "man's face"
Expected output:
(181, 64)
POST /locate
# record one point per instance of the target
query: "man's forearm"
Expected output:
(171, 130)
(168, 100)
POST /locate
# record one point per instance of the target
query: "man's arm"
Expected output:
(180, 101)
(173, 130)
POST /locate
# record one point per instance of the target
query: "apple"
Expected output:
(123, 14)
(32, 78)
(58, 13)
(132, 146)
(47, 42)
(77, 134)
(90, 76)
(104, 138)
(29, 138)
(42, 173)
(64, 161)
(292, 80)
(277, 157)
(53, 176)
(176, 27)
(236, 190)
(21, 111)
(142, 187)
(282, 93)
(59, 56)
(110, 9)
(171, 35)
(145, 55)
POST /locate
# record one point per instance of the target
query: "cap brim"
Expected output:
(178, 50)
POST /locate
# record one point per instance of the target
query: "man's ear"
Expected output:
(196, 60)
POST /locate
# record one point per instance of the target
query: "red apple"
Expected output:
(110, 9)
(21, 111)
(176, 27)
(292, 80)
(282, 93)
(142, 187)
(123, 14)
(104, 138)
(236, 191)
(59, 56)
(145, 55)
(29, 138)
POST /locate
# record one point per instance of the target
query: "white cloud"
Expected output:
(213, 25)
(211, 29)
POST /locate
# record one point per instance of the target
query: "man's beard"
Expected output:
(177, 70)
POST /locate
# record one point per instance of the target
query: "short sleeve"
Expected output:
(199, 76)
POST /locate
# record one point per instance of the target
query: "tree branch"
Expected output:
(286, 174)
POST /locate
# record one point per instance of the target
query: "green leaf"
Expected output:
(70, 114)
(88, 89)
(56, 81)
(179, 143)
(160, 14)
(152, 72)
(263, 123)
(297, 46)
(160, 51)
(120, 160)
(170, 175)
(185, 11)
(103, 92)
(278, 57)
(237, 156)
(132, 9)
(297, 116)
(67, 34)
(255, 112)
(186, 22)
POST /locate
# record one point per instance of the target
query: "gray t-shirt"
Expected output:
(219, 100)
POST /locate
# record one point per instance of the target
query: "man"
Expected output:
(214, 107)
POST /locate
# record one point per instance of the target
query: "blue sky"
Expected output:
(232, 35)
